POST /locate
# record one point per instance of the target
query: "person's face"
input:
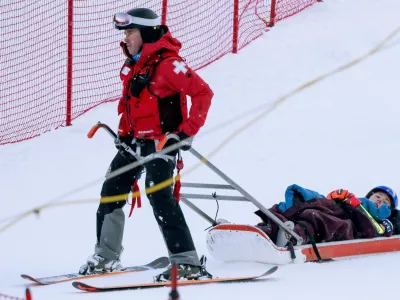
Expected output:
(133, 40)
(380, 198)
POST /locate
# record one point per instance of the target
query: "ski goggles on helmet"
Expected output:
(125, 21)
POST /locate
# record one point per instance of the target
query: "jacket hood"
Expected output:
(168, 44)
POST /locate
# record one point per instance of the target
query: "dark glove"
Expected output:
(186, 141)
(387, 226)
(138, 83)
(344, 196)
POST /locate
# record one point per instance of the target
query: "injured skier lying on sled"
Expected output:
(339, 216)
(331, 227)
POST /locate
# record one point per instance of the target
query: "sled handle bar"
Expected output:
(96, 127)
(128, 149)
(247, 195)
(216, 170)
(160, 145)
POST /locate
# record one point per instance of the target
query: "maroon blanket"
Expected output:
(324, 219)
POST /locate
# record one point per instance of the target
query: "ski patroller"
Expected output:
(90, 288)
(159, 263)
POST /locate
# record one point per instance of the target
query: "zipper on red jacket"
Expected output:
(128, 114)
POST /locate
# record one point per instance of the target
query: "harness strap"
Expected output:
(177, 186)
(312, 240)
(135, 199)
(135, 188)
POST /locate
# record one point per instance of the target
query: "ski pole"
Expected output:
(28, 295)
(174, 295)
(376, 225)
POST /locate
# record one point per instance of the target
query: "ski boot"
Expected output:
(186, 272)
(96, 264)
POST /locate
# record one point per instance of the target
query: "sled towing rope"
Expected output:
(232, 185)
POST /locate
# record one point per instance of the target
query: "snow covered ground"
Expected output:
(342, 132)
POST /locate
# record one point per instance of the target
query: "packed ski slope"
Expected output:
(341, 132)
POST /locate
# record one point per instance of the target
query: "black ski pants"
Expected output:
(167, 211)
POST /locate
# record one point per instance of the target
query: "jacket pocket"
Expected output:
(146, 116)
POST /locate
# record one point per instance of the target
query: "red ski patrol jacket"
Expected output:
(162, 105)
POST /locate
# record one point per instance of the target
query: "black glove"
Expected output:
(186, 141)
(138, 83)
(388, 227)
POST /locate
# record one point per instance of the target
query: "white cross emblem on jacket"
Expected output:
(179, 67)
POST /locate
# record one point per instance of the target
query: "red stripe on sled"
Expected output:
(354, 247)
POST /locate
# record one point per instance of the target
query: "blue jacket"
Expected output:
(295, 193)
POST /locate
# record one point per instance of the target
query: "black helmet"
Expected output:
(143, 18)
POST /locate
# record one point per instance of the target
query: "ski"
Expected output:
(159, 263)
(89, 288)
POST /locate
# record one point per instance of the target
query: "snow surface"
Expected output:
(339, 133)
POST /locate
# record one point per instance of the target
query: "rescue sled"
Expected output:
(234, 242)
